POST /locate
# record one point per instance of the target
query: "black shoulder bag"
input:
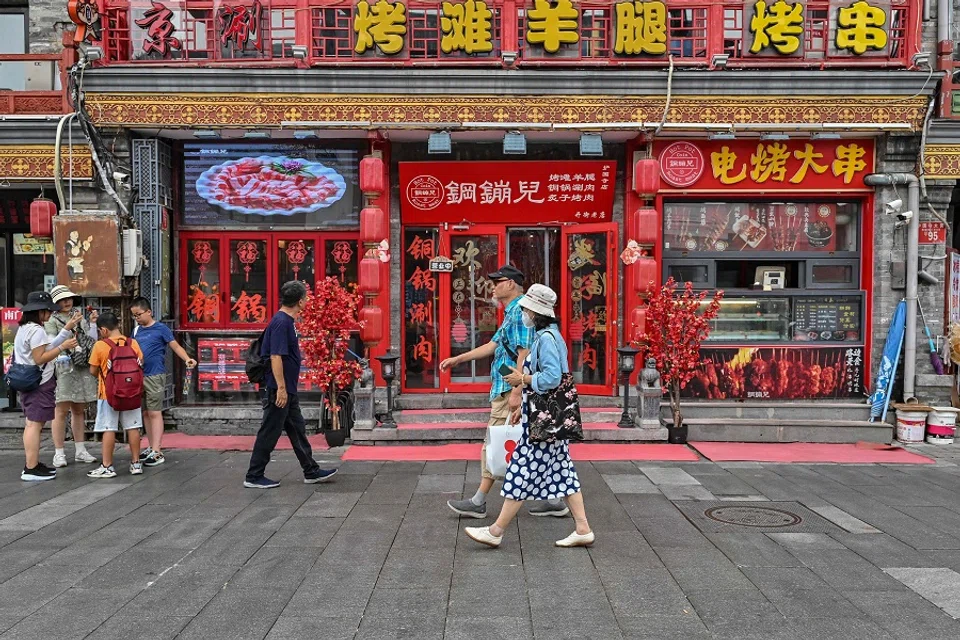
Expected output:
(555, 414)
(23, 377)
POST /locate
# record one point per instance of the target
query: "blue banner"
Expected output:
(888, 363)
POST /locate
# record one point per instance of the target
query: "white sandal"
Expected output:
(577, 540)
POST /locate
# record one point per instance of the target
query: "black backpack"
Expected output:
(255, 366)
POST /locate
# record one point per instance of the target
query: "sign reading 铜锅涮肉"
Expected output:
(767, 165)
(507, 192)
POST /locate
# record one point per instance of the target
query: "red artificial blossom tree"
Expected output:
(325, 324)
(677, 323)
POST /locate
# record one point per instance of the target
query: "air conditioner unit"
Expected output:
(40, 75)
(132, 252)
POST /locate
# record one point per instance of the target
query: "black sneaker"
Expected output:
(320, 475)
(261, 483)
(39, 473)
(547, 508)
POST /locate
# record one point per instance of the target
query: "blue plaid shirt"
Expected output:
(513, 335)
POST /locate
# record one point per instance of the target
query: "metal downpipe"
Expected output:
(913, 252)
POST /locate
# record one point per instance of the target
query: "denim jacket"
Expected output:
(548, 359)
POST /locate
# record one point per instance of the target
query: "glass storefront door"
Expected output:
(589, 305)
(448, 314)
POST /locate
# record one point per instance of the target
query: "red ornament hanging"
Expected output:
(342, 255)
(248, 253)
(645, 228)
(42, 211)
(646, 177)
(369, 276)
(373, 226)
(371, 328)
(296, 254)
(459, 332)
(202, 254)
(371, 176)
(645, 275)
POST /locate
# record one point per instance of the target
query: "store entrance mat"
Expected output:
(587, 452)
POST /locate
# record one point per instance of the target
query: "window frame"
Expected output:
(24, 10)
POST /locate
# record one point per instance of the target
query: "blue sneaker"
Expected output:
(320, 475)
(261, 483)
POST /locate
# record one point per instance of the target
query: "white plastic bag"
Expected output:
(501, 442)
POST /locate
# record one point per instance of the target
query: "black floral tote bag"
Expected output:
(555, 414)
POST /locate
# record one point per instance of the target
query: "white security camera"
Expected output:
(893, 206)
(120, 177)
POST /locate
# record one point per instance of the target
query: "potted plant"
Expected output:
(327, 320)
(677, 323)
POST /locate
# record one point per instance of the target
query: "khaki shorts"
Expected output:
(153, 390)
(499, 414)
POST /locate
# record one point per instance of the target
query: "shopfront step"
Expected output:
(773, 410)
(765, 430)
(482, 415)
(482, 401)
(442, 433)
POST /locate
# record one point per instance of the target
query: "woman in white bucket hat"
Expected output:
(539, 470)
(76, 388)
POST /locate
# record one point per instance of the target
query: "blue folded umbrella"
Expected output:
(887, 372)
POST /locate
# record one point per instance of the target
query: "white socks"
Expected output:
(479, 498)
(81, 447)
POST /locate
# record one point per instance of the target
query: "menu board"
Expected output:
(827, 318)
(748, 227)
(221, 367)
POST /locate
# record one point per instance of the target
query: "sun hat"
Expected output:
(541, 299)
(38, 301)
(61, 292)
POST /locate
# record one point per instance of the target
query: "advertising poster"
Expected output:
(9, 317)
(251, 184)
(88, 254)
(751, 373)
(25, 244)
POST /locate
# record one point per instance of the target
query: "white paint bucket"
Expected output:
(911, 425)
(941, 425)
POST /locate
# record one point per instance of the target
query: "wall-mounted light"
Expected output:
(93, 53)
(304, 135)
(514, 144)
(206, 134)
(439, 142)
(774, 136)
(921, 59)
(508, 57)
(719, 60)
(723, 135)
(591, 144)
(256, 135)
(825, 135)
(299, 51)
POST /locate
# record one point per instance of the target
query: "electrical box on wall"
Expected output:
(132, 252)
(898, 276)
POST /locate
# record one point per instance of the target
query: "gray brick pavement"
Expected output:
(185, 552)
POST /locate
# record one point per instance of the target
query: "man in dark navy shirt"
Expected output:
(281, 405)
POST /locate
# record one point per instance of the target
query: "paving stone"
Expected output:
(494, 626)
(844, 520)
(668, 476)
(156, 626)
(846, 628)
(720, 605)
(686, 492)
(399, 627)
(810, 603)
(329, 505)
(447, 467)
(241, 627)
(939, 586)
(663, 627)
(805, 541)
(632, 483)
(752, 549)
(298, 628)
(440, 484)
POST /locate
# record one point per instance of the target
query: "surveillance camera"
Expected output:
(905, 216)
(120, 177)
(893, 206)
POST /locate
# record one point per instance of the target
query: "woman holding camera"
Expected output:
(33, 347)
(76, 388)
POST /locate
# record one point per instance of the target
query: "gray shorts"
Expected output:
(153, 390)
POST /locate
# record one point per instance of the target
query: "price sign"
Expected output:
(933, 232)
(441, 264)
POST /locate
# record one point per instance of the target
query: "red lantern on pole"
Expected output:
(373, 227)
(369, 281)
(41, 217)
(646, 177)
(645, 226)
(645, 275)
(372, 176)
(371, 325)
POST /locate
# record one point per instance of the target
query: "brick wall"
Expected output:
(47, 20)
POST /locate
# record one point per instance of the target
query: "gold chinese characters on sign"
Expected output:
(780, 28)
(769, 163)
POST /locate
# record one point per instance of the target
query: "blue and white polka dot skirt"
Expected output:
(539, 470)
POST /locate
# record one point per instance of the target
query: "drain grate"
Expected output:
(725, 517)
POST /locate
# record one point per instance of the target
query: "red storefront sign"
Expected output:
(768, 165)
(933, 232)
(681, 164)
(507, 192)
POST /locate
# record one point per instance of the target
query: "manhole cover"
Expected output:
(764, 517)
(721, 516)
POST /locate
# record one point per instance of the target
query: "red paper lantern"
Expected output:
(646, 177)
(645, 226)
(373, 225)
(41, 217)
(372, 176)
(369, 281)
(638, 322)
(645, 275)
(371, 329)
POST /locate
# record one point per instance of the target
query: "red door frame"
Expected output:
(610, 229)
(444, 281)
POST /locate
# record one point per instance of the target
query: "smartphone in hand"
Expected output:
(505, 369)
